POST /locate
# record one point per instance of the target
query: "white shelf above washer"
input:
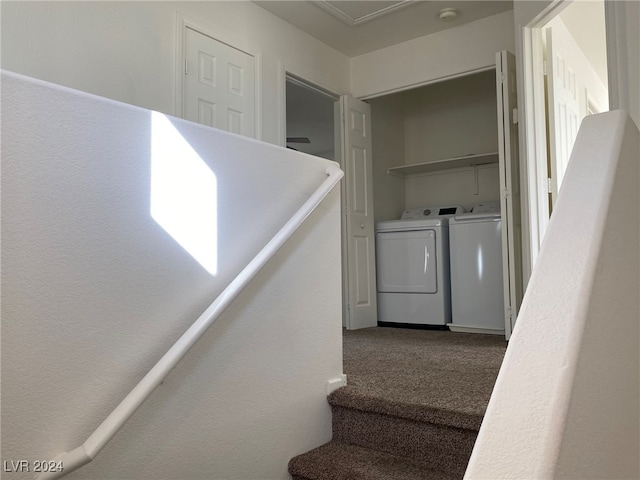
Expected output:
(457, 162)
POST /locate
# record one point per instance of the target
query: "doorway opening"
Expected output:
(313, 126)
(565, 79)
(310, 119)
(453, 143)
(575, 81)
(338, 127)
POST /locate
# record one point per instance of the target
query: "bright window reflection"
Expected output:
(183, 193)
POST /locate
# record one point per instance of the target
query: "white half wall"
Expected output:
(126, 50)
(454, 51)
(566, 403)
(95, 291)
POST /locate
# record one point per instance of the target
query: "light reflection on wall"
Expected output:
(480, 258)
(183, 193)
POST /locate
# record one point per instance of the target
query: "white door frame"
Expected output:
(532, 118)
(299, 76)
(288, 73)
(182, 23)
(615, 14)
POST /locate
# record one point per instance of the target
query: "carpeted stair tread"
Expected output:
(430, 373)
(412, 408)
(339, 461)
(442, 448)
(352, 397)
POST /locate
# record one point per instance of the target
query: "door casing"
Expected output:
(287, 73)
(532, 117)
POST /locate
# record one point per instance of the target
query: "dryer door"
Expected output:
(406, 262)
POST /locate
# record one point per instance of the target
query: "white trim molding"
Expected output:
(617, 69)
(352, 21)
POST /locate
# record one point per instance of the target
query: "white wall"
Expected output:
(447, 120)
(95, 291)
(444, 120)
(387, 136)
(566, 402)
(454, 187)
(453, 51)
(126, 50)
(451, 119)
(528, 11)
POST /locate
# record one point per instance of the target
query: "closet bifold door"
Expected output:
(358, 188)
(509, 186)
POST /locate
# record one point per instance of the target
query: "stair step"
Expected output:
(412, 409)
(351, 397)
(439, 447)
(340, 461)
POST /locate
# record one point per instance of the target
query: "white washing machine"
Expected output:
(412, 268)
(477, 299)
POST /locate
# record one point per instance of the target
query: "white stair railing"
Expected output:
(85, 453)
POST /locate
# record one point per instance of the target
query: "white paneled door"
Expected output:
(574, 90)
(564, 109)
(360, 249)
(219, 84)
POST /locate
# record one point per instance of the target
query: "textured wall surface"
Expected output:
(95, 291)
(566, 401)
(127, 50)
(387, 136)
(457, 50)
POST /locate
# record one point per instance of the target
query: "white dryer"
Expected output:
(412, 268)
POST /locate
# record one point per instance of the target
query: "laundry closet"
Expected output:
(417, 136)
(445, 144)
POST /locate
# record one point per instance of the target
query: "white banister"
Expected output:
(86, 452)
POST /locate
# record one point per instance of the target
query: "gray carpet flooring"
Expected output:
(424, 372)
(412, 407)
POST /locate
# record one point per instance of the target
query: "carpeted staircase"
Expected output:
(412, 409)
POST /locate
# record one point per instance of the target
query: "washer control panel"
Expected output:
(444, 211)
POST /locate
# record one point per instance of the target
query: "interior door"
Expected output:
(563, 109)
(573, 89)
(509, 186)
(219, 84)
(359, 251)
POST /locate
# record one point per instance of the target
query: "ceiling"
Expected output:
(359, 26)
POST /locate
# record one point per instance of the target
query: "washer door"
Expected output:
(406, 262)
